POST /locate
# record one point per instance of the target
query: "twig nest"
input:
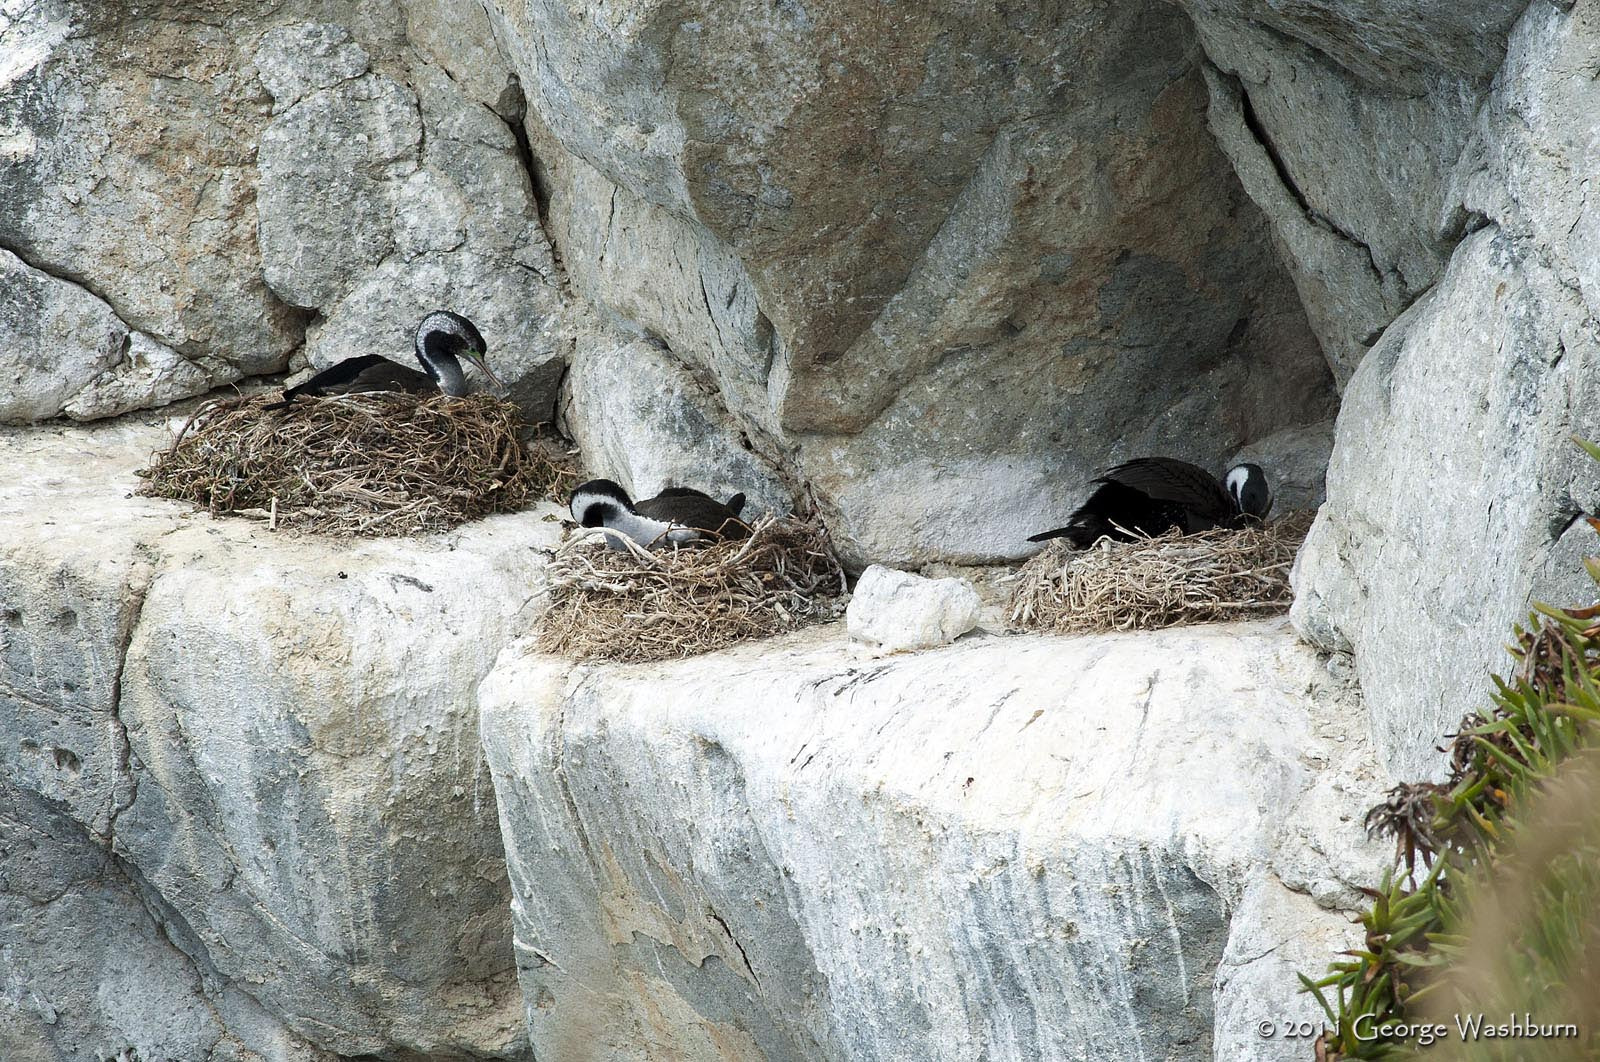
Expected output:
(380, 463)
(894, 612)
(1160, 582)
(635, 605)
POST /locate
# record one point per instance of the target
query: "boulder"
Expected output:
(383, 201)
(65, 351)
(129, 170)
(1031, 847)
(1365, 229)
(90, 968)
(894, 612)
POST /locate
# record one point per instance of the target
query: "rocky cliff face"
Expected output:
(916, 278)
(924, 267)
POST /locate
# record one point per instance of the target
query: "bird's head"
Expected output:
(593, 501)
(443, 332)
(1247, 486)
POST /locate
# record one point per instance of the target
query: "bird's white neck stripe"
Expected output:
(1237, 478)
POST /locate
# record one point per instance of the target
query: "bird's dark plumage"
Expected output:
(1152, 495)
(441, 339)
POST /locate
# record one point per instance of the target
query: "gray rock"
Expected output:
(88, 967)
(1452, 488)
(895, 612)
(297, 60)
(272, 742)
(327, 165)
(1262, 1014)
(129, 161)
(1454, 491)
(457, 37)
(344, 175)
(385, 205)
(1392, 47)
(641, 419)
(941, 856)
(1365, 229)
(64, 351)
(953, 268)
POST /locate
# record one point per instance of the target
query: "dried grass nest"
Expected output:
(635, 605)
(378, 463)
(1159, 582)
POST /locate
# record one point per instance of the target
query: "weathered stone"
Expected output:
(389, 202)
(1019, 848)
(1454, 491)
(296, 60)
(88, 967)
(1262, 1013)
(327, 164)
(272, 741)
(129, 150)
(456, 36)
(1365, 229)
(1453, 488)
(387, 187)
(640, 418)
(894, 612)
(1391, 46)
(923, 286)
(646, 265)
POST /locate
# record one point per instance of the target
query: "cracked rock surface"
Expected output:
(1021, 848)
(1454, 489)
(924, 265)
(298, 806)
(191, 195)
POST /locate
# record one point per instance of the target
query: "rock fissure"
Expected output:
(125, 757)
(1263, 137)
(66, 277)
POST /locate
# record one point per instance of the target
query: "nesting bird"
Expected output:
(1152, 495)
(676, 516)
(442, 341)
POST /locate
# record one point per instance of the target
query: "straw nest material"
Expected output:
(634, 605)
(379, 463)
(1160, 582)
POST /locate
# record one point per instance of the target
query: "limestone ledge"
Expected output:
(1109, 847)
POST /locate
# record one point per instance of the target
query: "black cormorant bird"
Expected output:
(1153, 495)
(678, 515)
(442, 341)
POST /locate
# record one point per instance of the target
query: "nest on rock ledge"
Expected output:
(634, 605)
(379, 463)
(1166, 581)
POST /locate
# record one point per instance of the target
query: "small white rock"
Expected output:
(893, 611)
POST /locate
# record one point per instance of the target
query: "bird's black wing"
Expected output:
(685, 492)
(1170, 480)
(734, 505)
(687, 507)
(369, 372)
